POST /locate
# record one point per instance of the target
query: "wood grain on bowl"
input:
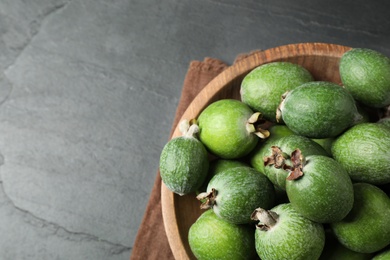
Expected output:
(321, 59)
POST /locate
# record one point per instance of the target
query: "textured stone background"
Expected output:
(88, 92)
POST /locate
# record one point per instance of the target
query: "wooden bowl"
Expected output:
(321, 59)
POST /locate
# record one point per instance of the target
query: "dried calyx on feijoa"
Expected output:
(230, 129)
(184, 161)
(277, 161)
(283, 233)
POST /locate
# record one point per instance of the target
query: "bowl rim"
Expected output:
(230, 74)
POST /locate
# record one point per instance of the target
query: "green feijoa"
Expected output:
(229, 128)
(219, 165)
(210, 237)
(283, 233)
(262, 88)
(319, 188)
(262, 148)
(235, 192)
(385, 121)
(318, 110)
(383, 255)
(325, 143)
(335, 250)
(364, 151)
(365, 73)
(184, 163)
(366, 228)
(278, 159)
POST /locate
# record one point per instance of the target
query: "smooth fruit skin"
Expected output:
(366, 228)
(263, 87)
(319, 110)
(324, 193)
(239, 191)
(223, 130)
(183, 164)
(210, 238)
(288, 144)
(365, 74)
(294, 237)
(364, 151)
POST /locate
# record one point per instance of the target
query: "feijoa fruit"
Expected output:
(365, 73)
(318, 110)
(283, 233)
(210, 237)
(262, 88)
(235, 192)
(229, 128)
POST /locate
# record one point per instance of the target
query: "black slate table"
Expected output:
(88, 92)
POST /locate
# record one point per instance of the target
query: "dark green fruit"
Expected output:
(365, 74)
(262, 88)
(318, 110)
(333, 250)
(277, 159)
(262, 148)
(228, 128)
(283, 233)
(235, 192)
(364, 151)
(319, 188)
(366, 228)
(210, 237)
(184, 163)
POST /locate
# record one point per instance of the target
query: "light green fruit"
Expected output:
(228, 128)
(364, 151)
(184, 163)
(263, 87)
(211, 238)
(283, 233)
(366, 228)
(365, 73)
(318, 110)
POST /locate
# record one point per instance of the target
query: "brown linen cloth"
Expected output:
(151, 241)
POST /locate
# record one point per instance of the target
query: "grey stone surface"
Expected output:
(88, 92)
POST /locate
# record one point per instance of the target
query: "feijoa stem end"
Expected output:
(253, 125)
(209, 198)
(267, 218)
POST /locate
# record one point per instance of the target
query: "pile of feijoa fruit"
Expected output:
(300, 168)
